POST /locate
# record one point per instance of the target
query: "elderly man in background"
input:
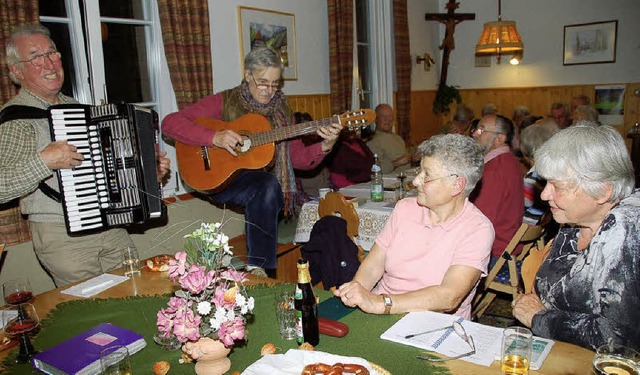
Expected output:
(435, 247)
(588, 289)
(500, 193)
(390, 147)
(561, 114)
(28, 158)
(579, 100)
(519, 113)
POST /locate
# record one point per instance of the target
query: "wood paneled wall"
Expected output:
(424, 123)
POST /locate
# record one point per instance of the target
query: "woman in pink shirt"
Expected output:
(435, 247)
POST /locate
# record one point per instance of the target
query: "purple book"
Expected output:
(81, 354)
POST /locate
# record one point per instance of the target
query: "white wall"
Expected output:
(312, 43)
(541, 25)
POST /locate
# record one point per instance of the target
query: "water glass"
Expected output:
(322, 192)
(516, 351)
(285, 313)
(114, 360)
(131, 262)
(616, 359)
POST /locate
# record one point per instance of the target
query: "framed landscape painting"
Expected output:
(590, 43)
(277, 30)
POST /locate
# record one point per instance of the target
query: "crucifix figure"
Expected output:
(450, 20)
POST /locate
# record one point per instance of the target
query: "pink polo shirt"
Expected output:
(418, 253)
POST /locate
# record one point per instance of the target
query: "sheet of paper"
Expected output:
(95, 285)
(487, 339)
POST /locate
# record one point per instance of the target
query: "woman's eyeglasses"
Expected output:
(39, 60)
(426, 180)
(459, 330)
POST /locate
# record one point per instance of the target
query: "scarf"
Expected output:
(275, 112)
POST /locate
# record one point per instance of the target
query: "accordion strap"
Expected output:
(25, 112)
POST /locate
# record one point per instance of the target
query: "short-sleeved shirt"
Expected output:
(419, 253)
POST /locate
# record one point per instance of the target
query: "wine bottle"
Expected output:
(377, 188)
(306, 307)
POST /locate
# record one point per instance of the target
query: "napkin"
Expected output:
(293, 361)
(95, 285)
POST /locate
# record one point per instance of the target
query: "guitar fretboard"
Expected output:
(287, 132)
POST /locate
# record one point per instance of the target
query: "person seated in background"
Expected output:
(528, 121)
(531, 139)
(350, 162)
(587, 291)
(263, 194)
(500, 193)
(519, 113)
(461, 121)
(390, 147)
(561, 114)
(586, 113)
(309, 182)
(489, 109)
(434, 247)
(579, 100)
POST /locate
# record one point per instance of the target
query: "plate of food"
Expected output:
(159, 263)
(306, 362)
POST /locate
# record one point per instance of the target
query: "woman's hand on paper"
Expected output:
(526, 306)
(353, 294)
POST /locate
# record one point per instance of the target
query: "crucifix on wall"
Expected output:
(450, 21)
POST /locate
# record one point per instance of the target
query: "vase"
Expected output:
(210, 356)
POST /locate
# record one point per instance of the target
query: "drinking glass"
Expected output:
(616, 359)
(20, 320)
(17, 291)
(285, 313)
(114, 360)
(516, 350)
(131, 262)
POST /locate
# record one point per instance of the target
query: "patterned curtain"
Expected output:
(403, 67)
(340, 53)
(187, 46)
(14, 229)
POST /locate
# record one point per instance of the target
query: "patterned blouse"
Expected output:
(594, 294)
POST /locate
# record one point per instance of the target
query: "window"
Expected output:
(109, 49)
(363, 46)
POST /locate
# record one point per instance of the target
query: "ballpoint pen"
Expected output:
(425, 332)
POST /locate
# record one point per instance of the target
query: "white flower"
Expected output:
(204, 308)
(251, 303)
(219, 317)
(231, 315)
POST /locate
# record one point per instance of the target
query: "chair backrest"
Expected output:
(335, 204)
(507, 281)
(531, 264)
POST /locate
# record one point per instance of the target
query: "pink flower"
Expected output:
(218, 299)
(196, 280)
(186, 326)
(237, 276)
(178, 266)
(231, 331)
(176, 304)
(165, 322)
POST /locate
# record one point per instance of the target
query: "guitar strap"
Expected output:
(25, 112)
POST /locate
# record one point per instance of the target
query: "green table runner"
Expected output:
(139, 314)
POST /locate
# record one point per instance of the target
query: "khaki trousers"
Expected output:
(70, 259)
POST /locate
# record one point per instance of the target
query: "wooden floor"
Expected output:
(287, 257)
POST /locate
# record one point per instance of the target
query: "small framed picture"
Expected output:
(260, 27)
(590, 43)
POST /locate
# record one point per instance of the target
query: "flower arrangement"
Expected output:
(212, 301)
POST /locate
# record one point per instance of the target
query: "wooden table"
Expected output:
(564, 359)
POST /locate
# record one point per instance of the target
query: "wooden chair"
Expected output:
(531, 264)
(508, 280)
(335, 204)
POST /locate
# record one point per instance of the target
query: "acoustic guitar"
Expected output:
(207, 168)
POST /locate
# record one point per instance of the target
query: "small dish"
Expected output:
(167, 343)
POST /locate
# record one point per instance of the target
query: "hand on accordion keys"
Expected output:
(61, 155)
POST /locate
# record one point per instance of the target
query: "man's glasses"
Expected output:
(275, 86)
(480, 129)
(426, 180)
(39, 60)
(459, 330)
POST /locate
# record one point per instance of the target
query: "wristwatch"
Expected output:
(387, 303)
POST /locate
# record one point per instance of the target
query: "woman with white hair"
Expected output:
(588, 288)
(435, 247)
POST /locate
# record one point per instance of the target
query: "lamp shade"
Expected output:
(499, 37)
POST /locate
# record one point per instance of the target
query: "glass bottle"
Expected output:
(377, 188)
(306, 307)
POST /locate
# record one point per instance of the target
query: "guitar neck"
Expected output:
(287, 132)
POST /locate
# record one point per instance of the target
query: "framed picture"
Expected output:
(590, 43)
(260, 27)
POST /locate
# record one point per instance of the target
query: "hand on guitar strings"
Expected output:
(329, 135)
(228, 139)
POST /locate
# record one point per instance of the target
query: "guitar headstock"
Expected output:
(357, 118)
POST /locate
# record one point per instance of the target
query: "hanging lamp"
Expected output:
(499, 37)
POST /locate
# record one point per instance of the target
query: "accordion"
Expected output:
(117, 182)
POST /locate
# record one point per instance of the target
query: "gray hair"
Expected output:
(591, 158)
(532, 137)
(505, 126)
(585, 112)
(463, 113)
(11, 50)
(521, 111)
(489, 109)
(261, 58)
(458, 154)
